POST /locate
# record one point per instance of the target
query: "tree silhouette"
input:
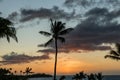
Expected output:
(91, 76)
(21, 72)
(28, 70)
(79, 76)
(99, 76)
(4, 71)
(115, 55)
(62, 78)
(15, 72)
(57, 31)
(6, 30)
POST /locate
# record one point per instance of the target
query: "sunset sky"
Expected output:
(96, 26)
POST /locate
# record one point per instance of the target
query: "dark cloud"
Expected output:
(52, 51)
(13, 16)
(0, 13)
(71, 3)
(97, 11)
(99, 27)
(42, 13)
(85, 3)
(15, 58)
(104, 12)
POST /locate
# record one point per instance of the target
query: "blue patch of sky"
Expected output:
(9, 6)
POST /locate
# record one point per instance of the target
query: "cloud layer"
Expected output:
(15, 58)
(99, 27)
(85, 3)
(42, 13)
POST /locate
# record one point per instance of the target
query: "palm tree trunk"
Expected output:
(55, 60)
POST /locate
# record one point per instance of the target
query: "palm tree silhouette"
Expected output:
(79, 76)
(62, 77)
(28, 70)
(6, 30)
(99, 76)
(57, 31)
(15, 72)
(4, 71)
(91, 76)
(21, 72)
(115, 55)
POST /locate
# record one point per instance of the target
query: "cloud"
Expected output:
(15, 58)
(71, 3)
(99, 27)
(42, 13)
(104, 12)
(85, 3)
(52, 51)
(13, 16)
(97, 11)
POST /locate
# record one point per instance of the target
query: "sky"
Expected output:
(96, 26)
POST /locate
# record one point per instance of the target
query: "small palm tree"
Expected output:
(57, 31)
(114, 54)
(6, 30)
(91, 76)
(79, 76)
(21, 72)
(99, 76)
(28, 70)
(4, 71)
(15, 72)
(62, 78)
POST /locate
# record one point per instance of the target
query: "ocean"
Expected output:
(107, 77)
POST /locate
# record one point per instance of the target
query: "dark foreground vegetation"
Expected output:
(92, 76)
(8, 74)
(23, 77)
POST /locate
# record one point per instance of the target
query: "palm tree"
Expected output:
(79, 76)
(91, 76)
(114, 54)
(99, 76)
(15, 72)
(62, 78)
(28, 70)
(56, 32)
(6, 30)
(21, 72)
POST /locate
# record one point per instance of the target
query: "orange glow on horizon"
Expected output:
(70, 64)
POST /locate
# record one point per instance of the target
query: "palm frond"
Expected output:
(13, 34)
(60, 26)
(6, 30)
(66, 31)
(40, 45)
(8, 39)
(52, 25)
(114, 53)
(53, 28)
(112, 57)
(62, 39)
(47, 43)
(51, 22)
(45, 33)
(4, 21)
(15, 38)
